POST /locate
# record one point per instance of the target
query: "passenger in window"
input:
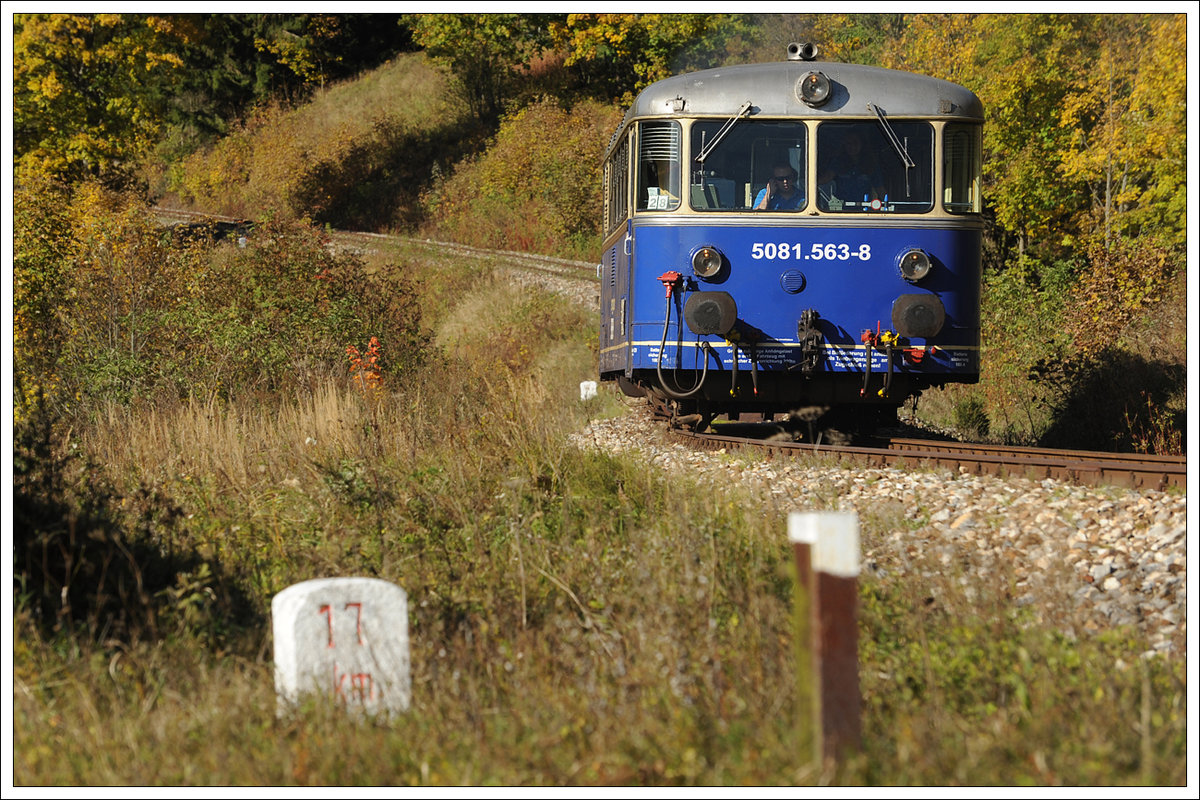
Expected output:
(851, 177)
(781, 192)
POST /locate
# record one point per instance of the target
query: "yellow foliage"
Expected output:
(1120, 282)
(84, 99)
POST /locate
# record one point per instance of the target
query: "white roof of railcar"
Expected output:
(773, 91)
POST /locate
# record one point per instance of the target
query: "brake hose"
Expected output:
(754, 366)
(733, 385)
(867, 374)
(887, 378)
(679, 393)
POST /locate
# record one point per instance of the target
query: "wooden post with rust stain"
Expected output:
(827, 566)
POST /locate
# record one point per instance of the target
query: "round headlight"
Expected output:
(814, 88)
(706, 261)
(914, 265)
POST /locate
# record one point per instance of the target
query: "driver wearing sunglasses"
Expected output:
(781, 192)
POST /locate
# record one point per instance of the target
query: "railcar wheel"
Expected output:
(629, 388)
(697, 423)
(660, 405)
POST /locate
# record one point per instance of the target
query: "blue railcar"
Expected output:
(792, 238)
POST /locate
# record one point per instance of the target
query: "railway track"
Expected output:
(565, 276)
(1130, 470)
(548, 264)
(578, 270)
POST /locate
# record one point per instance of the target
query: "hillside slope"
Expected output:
(356, 156)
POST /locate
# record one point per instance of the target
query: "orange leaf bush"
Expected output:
(365, 372)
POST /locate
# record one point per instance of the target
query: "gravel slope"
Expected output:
(1083, 558)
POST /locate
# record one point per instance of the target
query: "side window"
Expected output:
(659, 154)
(860, 169)
(963, 169)
(754, 164)
(616, 185)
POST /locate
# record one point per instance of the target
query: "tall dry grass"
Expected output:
(241, 443)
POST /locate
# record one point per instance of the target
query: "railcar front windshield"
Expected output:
(757, 163)
(861, 166)
(860, 169)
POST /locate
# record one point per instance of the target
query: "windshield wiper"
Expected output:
(729, 123)
(892, 137)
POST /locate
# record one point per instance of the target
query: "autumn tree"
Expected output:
(1026, 68)
(939, 45)
(617, 55)
(1127, 113)
(94, 92)
(1159, 105)
(486, 53)
(318, 48)
(856, 38)
(236, 62)
(88, 91)
(1085, 119)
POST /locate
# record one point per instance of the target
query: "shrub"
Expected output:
(1019, 326)
(41, 239)
(536, 188)
(971, 418)
(1110, 390)
(1121, 280)
(116, 308)
(1114, 400)
(278, 314)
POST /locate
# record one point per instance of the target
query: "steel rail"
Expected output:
(1128, 470)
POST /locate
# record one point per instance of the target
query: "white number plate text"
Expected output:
(789, 251)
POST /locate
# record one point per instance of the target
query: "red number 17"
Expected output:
(327, 610)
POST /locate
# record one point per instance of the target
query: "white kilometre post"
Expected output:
(827, 564)
(345, 638)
